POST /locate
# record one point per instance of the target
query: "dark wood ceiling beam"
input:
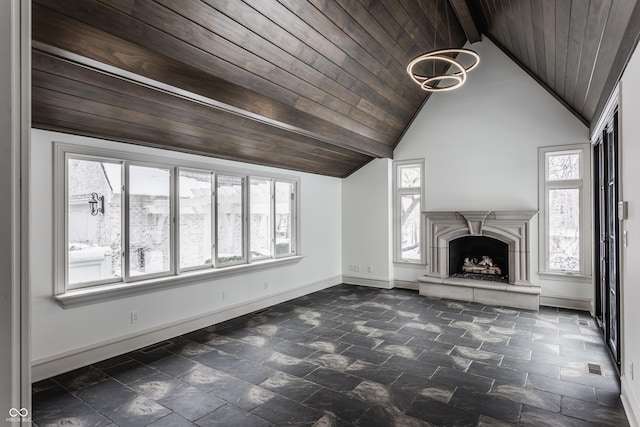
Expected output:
(466, 20)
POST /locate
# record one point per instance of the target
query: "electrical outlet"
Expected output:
(370, 269)
(355, 267)
(266, 285)
(631, 370)
(224, 295)
(134, 317)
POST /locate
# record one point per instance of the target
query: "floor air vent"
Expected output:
(594, 368)
(154, 347)
(583, 322)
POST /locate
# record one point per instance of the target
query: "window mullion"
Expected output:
(177, 230)
(125, 223)
(214, 221)
(272, 208)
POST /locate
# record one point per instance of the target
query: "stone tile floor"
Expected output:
(353, 356)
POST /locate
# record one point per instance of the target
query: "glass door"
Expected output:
(607, 236)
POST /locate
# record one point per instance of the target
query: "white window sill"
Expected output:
(98, 294)
(566, 277)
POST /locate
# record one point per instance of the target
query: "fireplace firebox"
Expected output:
(479, 258)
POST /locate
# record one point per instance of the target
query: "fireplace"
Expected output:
(480, 256)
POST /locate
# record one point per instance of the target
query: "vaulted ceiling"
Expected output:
(317, 86)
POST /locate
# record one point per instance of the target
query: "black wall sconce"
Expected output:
(93, 204)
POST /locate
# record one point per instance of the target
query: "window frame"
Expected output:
(179, 268)
(63, 249)
(97, 291)
(583, 184)
(245, 231)
(294, 229)
(128, 278)
(272, 207)
(398, 192)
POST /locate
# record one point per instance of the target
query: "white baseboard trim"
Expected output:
(582, 304)
(629, 403)
(374, 283)
(406, 284)
(56, 364)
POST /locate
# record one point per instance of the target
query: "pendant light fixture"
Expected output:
(457, 73)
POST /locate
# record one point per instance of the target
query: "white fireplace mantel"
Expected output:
(510, 227)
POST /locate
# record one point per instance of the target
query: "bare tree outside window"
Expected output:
(563, 188)
(408, 182)
(564, 229)
(564, 167)
(410, 226)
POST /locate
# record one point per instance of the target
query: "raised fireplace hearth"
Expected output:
(481, 256)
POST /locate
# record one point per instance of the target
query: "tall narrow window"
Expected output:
(408, 184)
(93, 221)
(260, 217)
(564, 200)
(284, 219)
(149, 214)
(195, 189)
(230, 218)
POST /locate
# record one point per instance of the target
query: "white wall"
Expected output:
(629, 141)
(61, 332)
(480, 144)
(366, 225)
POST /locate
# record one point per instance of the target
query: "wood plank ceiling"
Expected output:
(568, 46)
(317, 86)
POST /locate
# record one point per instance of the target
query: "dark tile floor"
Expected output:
(350, 356)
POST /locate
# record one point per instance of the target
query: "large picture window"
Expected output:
(124, 218)
(408, 182)
(564, 204)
